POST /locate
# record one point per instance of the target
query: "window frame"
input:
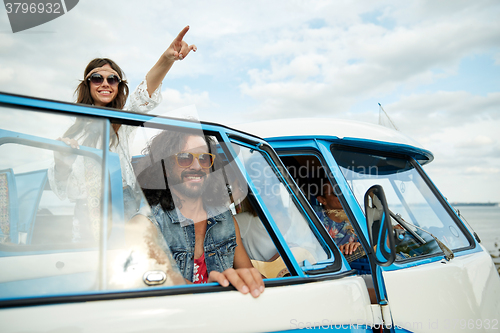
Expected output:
(154, 121)
(331, 177)
(334, 264)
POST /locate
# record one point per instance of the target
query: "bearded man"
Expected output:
(190, 209)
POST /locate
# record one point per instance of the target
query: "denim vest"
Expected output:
(178, 232)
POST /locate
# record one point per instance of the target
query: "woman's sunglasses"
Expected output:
(185, 160)
(98, 79)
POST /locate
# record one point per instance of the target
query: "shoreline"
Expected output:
(496, 261)
(474, 204)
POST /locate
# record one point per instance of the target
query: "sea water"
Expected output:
(485, 220)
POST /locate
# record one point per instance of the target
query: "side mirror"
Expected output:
(379, 225)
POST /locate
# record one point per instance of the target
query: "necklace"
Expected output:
(338, 213)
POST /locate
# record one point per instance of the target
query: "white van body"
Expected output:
(427, 293)
(52, 281)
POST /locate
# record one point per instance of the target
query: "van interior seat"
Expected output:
(19, 199)
(8, 207)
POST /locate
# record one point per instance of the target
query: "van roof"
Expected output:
(347, 131)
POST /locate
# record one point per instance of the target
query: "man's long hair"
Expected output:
(158, 158)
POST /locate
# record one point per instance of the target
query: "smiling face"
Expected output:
(190, 181)
(104, 93)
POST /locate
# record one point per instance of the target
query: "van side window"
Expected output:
(292, 225)
(311, 176)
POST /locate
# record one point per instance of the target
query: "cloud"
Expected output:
(466, 160)
(341, 65)
(6, 75)
(482, 171)
(415, 12)
(175, 99)
(431, 112)
(243, 38)
(478, 141)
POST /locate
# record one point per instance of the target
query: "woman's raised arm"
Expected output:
(178, 50)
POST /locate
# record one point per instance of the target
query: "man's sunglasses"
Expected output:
(98, 79)
(185, 160)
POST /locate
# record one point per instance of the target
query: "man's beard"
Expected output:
(188, 189)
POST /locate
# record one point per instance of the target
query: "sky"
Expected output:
(433, 65)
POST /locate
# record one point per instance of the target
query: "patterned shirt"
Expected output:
(341, 232)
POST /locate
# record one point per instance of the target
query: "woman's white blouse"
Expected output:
(74, 187)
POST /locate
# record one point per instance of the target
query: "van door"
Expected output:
(441, 279)
(421, 290)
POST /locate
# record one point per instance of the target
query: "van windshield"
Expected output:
(408, 195)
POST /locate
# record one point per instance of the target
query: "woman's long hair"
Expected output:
(82, 91)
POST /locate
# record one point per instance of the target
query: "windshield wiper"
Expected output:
(448, 254)
(405, 224)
